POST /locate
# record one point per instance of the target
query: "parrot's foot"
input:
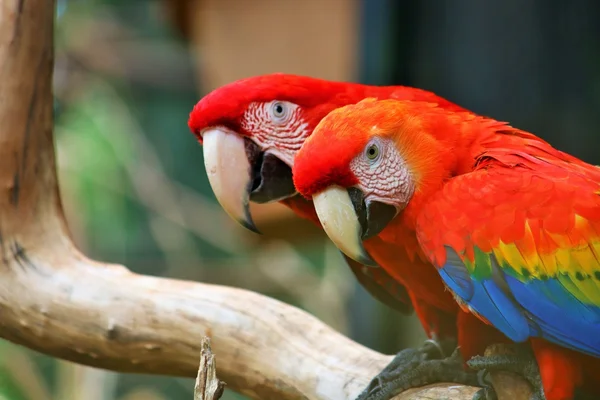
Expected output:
(418, 367)
(486, 393)
(521, 362)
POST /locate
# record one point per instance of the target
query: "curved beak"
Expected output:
(348, 220)
(240, 172)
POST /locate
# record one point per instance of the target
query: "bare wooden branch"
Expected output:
(208, 386)
(55, 300)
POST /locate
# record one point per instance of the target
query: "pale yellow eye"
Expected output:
(372, 152)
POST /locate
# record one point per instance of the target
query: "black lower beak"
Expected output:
(271, 178)
(373, 217)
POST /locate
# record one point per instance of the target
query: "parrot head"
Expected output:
(367, 163)
(251, 130)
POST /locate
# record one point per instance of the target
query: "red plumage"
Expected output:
(226, 105)
(396, 249)
(317, 97)
(443, 149)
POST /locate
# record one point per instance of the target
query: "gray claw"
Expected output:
(486, 393)
(416, 367)
(522, 363)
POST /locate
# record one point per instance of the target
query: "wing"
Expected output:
(518, 241)
(381, 286)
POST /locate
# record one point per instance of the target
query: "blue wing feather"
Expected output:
(486, 297)
(518, 293)
(522, 310)
(566, 320)
(554, 290)
(456, 276)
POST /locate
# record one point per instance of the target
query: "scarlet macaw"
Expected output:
(251, 130)
(509, 223)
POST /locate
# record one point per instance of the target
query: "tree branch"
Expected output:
(55, 300)
(208, 386)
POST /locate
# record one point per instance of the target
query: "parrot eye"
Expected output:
(372, 152)
(279, 112)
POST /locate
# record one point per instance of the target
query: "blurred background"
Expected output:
(132, 177)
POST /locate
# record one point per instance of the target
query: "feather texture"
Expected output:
(229, 106)
(510, 224)
(376, 281)
(522, 247)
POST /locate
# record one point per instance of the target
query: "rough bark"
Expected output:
(55, 300)
(208, 386)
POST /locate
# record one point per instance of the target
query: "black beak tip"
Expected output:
(366, 259)
(249, 224)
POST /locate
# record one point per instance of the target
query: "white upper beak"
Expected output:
(229, 173)
(338, 217)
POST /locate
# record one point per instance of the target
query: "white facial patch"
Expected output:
(384, 177)
(276, 126)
